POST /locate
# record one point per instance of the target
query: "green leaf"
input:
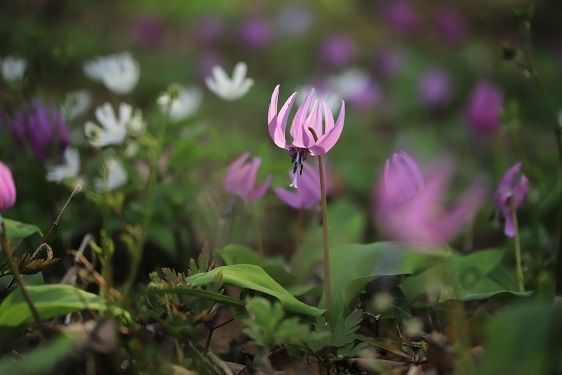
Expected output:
(217, 297)
(275, 267)
(16, 230)
(462, 277)
(346, 224)
(354, 265)
(51, 301)
(249, 276)
(41, 360)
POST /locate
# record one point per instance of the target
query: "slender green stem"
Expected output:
(327, 275)
(257, 229)
(519, 267)
(136, 255)
(17, 275)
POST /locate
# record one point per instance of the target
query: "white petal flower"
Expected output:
(185, 103)
(113, 130)
(13, 68)
(229, 88)
(119, 72)
(350, 82)
(76, 104)
(68, 169)
(113, 176)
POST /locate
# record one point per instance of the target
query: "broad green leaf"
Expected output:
(35, 279)
(217, 297)
(523, 339)
(354, 265)
(41, 360)
(51, 301)
(16, 230)
(463, 277)
(274, 266)
(249, 276)
(345, 222)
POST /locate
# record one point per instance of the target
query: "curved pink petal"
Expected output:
(260, 191)
(251, 175)
(328, 119)
(233, 171)
(301, 138)
(329, 139)
(314, 119)
(290, 197)
(277, 122)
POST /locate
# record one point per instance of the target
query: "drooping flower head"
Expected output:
(484, 107)
(7, 188)
(308, 193)
(409, 207)
(240, 179)
(42, 130)
(510, 195)
(313, 130)
(119, 72)
(230, 88)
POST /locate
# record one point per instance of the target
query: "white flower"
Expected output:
(68, 169)
(227, 88)
(118, 72)
(185, 102)
(350, 82)
(13, 68)
(113, 176)
(113, 130)
(76, 104)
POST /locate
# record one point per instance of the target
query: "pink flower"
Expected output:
(410, 208)
(510, 195)
(313, 132)
(241, 177)
(7, 188)
(308, 194)
(484, 107)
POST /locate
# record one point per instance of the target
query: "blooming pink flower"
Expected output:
(409, 207)
(308, 194)
(510, 195)
(306, 126)
(7, 188)
(483, 108)
(241, 177)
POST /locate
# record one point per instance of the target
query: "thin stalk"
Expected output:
(17, 275)
(519, 268)
(327, 276)
(557, 137)
(257, 229)
(136, 255)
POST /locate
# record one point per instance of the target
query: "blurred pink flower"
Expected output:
(401, 16)
(337, 50)
(484, 107)
(389, 62)
(7, 188)
(256, 33)
(304, 144)
(510, 195)
(410, 208)
(240, 179)
(450, 25)
(434, 89)
(308, 193)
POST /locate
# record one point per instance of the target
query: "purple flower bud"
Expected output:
(484, 107)
(240, 179)
(7, 188)
(401, 16)
(402, 179)
(434, 89)
(337, 50)
(256, 33)
(450, 25)
(149, 32)
(42, 130)
(308, 194)
(510, 195)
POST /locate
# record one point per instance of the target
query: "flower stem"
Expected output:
(6, 248)
(327, 276)
(519, 269)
